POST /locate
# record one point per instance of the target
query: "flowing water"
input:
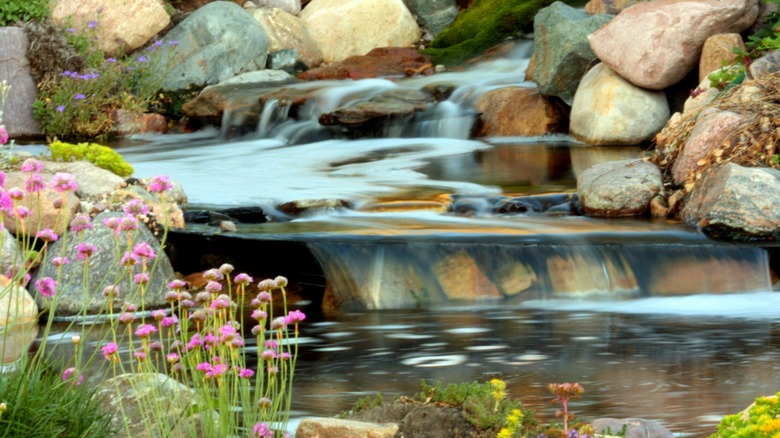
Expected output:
(653, 318)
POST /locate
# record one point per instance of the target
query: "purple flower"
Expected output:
(144, 251)
(79, 96)
(142, 58)
(157, 43)
(109, 351)
(173, 43)
(61, 108)
(47, 235)
(63, 182)
(71, 30)
(80, 222)
(159, 184)
(66, 73)
(85, 250)
(92, 24)
(294, 317)
(145, 330)
(32, 165)
(46, 286)
(111, 60)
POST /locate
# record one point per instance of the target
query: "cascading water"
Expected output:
(633, 309)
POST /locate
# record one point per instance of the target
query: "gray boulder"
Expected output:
(433, 15)
(104, 270)
(15, 70)
(635, 427)
(561, 48)
(736, 202)
(619, 188)
(216, 42)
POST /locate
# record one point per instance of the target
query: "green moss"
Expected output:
(484, 24)
(99, 155)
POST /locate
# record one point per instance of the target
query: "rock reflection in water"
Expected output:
(683, 371)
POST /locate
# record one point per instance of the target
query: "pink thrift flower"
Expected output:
(32, 165)
(169, 321)
(34, 183)
(259, 315)
(145, 330)
(294, 317)
(109, 351)
(112, 223)
(278, 323)
(264, 297)
(144, 251)
(80, 222)
(159, 184)
(141, 278)
(126, 318)
(85, 250)
(129, 259)
(226, 269)
(47, 235)
(245, 373)
(63, 182)
(128, 223)
(177, 284)
(46, 286)
(268, 354)
(3, 135)
(67, 373)
(203, 366)
(135, 207)
(284, 356)
(158, 314)
(6, 204)
(140, 356)
(172, 358)
(243, 279)
(213, 275)
(216, 371)
(16, 194)
(213, 287)
(60, 261)
(22, 212)
(111, 291)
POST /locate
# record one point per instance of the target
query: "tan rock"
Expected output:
(338, 428)
(587, 274)
(43, 213)
(518, 111)
(655, 44)
(286, 31)
(95, 183)
(685, 276)
(121, 26)
(700, 97)
(461, 278)
(514, 277)
(609, 6)
(718, 49)
(169, 213)
(344, 28)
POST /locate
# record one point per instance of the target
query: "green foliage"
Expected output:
(39, 403)
(13, 11)
(81, 105)
(99, 155)
(762, 420)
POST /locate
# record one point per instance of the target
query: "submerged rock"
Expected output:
(369, 117)
(519, 111)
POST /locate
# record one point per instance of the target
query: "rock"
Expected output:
(636, 427)
(363, 25)
(736, 202)
(712, 127)
(175, 195)
(70, 291)
(95, 183)
(169, 213)
(590, 274)
(18, 320)
(313, 206)
(552, 203)
(121, 26)
(765, 65)
(619, 188)
(370, 117)
(15, 70)
(607, 109)
(435, 15)
(292, 7)
(240, 96)
(561, 48)
(381, 62)
(460, 278)
(718, 49)
(285, 60)
(126, 396)
(43, 213)
(693, 274)
(286, 31)
(130, 122)
(518, 111)
(513, 278)
(655, 44)
(10, 253)
(338, 428)
(609, 6)
(700, 97)
(216, 42)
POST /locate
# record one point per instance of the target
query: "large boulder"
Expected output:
(344, 28)
(286, 31)
(656, 44)
(519, 111)
(619, 188)
(216, 42)
(121, 26)
(104, 270)
(95, 183)
(561, 48)
(736, 202)
(43, 212)
(434, 15)
(15, 70)
(607, 109)
(18, 321)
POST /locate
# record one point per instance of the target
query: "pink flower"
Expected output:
(203, 366)
(47, 235)
(172, 358)
(3, 135)
(46, 286)
(264, 297)
(169, 321)
(128, 223)
(16, 194)
(216, 370)
(259, 315)
(111, 291)
(22, 212)
(158, 314)
(177, 284)
(279, 323)
(112, 223)
(140, 356)
(67, 373)
(5, 201)
(80, 222)
(159, 184)
(60, 261)
(226, 268)
(213, 287)
(245, 373)
(126, 318)
(85, 250)
(145, 330)
(144, 251)
(135, 207)
(271, 344)
(294, 317)
(141, 278)
(129, 259)
(34, 183)
(31, 165)
(63, 182)
(213, 275)
(243, 279)
(268, 354)
(109, 351)
(261, 430)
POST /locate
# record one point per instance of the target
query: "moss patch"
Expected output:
(484, 24)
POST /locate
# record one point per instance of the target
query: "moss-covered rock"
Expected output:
(484, 24)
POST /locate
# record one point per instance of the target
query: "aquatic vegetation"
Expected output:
(761, 419)
(99, 155)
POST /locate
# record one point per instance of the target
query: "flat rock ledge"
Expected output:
(337, 428)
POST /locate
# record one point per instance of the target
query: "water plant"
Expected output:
(761, 419)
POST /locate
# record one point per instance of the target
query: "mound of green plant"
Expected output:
(484, 24)
(37, 402)
(762, 419)
(99, 155)
(14, 11)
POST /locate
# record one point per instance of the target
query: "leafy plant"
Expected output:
(762, 419)
(13, 11)
(99, 155)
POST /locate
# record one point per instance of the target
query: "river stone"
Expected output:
(15, 70)
(461, 278)
(344, 28)
(718, 49)
(656, 44)
(10, 252)
(561, 48)
(43, 213)
(290, 6)
(700, 97)
(121, 26)
(712, 127)
(765, 65)
(380, 62)
(286, 31)
(338, 428)
(692, 274)
(578, 275)
(607, 109)
(371, 116)
(216, 42)
(70, 291)
(619, 188)
(635, 427)
(95, 183)
(519, 111)
(736, 202)
(609, 6)
(434, 15)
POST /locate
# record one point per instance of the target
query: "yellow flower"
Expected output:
(499, 389)
(504, 433)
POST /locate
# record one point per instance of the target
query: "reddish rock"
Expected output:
(381, 62)
(519, 111)
(128, 122)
